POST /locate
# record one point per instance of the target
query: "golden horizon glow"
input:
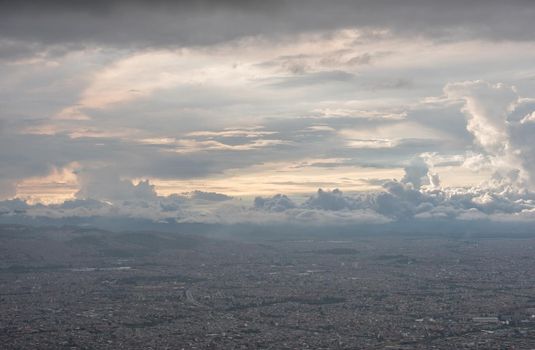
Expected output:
(299, 178)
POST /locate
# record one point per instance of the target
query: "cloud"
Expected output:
(104, 194)
(82, 203)
(105, 185)
(209, 196)
(198, 22)
(417, 196)
(490, 110)
(211, 152)
(330, 200)
(487, 107)
(277, 203)
(406, 202)
(323, 79)
(13, 206)
(415, 173)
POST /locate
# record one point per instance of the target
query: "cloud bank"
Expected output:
(414, 198)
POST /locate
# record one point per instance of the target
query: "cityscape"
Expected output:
(96, 289)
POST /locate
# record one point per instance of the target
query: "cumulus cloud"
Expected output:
(490, 110)
(330, 200)
(277, 203)
(104, 184)
(487, 107)
(103, 194)
(416, 173)
(418, 196)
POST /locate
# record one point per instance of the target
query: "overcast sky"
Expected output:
(191, 109)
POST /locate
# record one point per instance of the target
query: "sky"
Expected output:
(268, 111)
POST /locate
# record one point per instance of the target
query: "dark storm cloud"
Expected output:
(156, 23)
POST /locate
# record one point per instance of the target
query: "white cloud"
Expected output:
(489, 109)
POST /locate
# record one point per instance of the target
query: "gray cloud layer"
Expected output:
(199, 22)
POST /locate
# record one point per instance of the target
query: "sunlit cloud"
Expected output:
(59, 185)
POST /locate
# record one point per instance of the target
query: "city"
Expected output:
(164, 290)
